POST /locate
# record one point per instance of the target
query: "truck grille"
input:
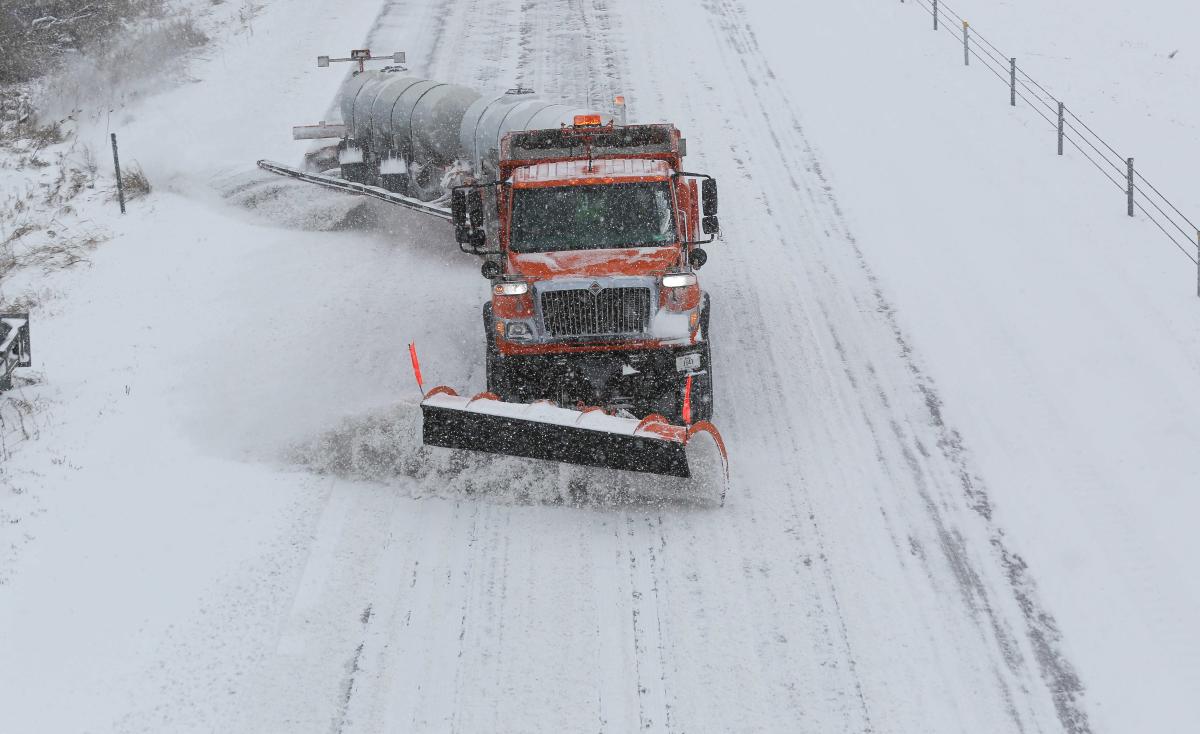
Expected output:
(609, 311)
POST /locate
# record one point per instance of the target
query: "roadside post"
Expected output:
(1129, 185)
(117, 168)
(1061, 120)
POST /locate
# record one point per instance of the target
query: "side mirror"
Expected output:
(458, 214)
(466, 213)
(710, 224)
(322, 61)
(708, 194)
(475, 209)
(697, 258)
(398, 57)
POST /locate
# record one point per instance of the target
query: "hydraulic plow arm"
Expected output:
(352, 187)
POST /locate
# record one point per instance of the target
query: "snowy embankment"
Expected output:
(1065, 337)
(128, 506)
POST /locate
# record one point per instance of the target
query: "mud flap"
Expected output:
(588, 437)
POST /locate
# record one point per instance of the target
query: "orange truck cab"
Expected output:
(590, 241)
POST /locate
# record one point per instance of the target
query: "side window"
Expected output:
(663, 207)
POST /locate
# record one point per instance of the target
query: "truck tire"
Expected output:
(702, 390)
(354, 172)
(496, 384)
(397, 183)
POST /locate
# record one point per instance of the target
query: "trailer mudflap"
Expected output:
(587, 437)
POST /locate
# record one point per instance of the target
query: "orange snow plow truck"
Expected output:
(596, 333)
(595, 305)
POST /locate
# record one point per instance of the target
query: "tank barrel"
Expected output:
(398, 122)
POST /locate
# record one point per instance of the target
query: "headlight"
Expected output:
(519, 330)
(510, 289)
(679, 280)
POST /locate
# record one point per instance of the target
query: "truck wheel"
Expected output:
(702, 390)
(397, 183)
(354, 172)
(496, 384)
(425, 182)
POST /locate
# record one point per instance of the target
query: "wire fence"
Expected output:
(1181, 230)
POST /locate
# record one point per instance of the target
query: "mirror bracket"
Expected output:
(708, 214)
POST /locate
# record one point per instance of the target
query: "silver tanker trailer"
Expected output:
(420, 138)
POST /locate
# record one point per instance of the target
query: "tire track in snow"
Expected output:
(830, 605)
(655, 659)
(1056, 671)
(426, 41)
(464, 576)
(780, 423)
(761, 590)
(563, 72)
(652, 687)
(648, 673)
(741, 41)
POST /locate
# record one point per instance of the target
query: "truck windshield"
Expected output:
(601, 217)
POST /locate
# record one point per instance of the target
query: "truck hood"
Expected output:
(594, 263)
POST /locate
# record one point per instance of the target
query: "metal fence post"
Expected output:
(1061, 120)
(1012, 82)
(1129, 187)
(966, 44)
(1198, 264)
(117, 167)
(935, 15)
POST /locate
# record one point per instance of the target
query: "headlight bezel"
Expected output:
(511, 288)
(518, 331)
(678, 280)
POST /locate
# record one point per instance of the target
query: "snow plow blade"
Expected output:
(586, 437)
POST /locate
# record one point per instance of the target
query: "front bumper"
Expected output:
(606, 368)
(625, 349)
(661, 328)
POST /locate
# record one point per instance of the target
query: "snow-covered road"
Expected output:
(190, 569)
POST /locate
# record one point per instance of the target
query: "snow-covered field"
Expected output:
(958, 385)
